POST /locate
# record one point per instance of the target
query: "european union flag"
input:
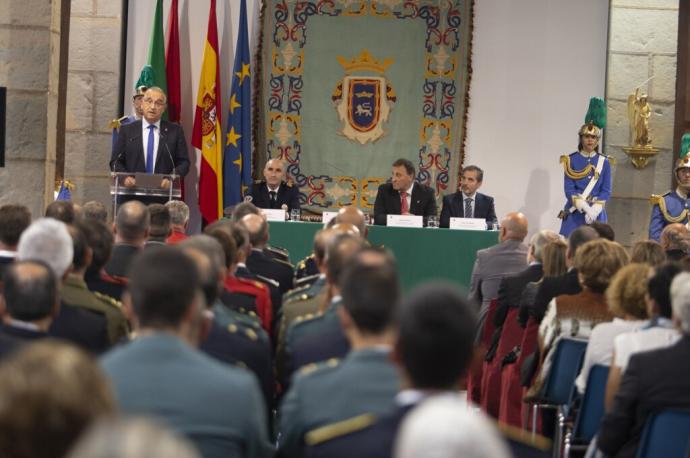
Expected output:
(237, 156)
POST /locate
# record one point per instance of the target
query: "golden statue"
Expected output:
(639, 112)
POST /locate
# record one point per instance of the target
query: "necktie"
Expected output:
(404, 208)
(273, 197)
(468, 208)
(149, 150)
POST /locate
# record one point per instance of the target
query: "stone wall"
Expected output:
(29, 65)
(92, 95)
(643, 37)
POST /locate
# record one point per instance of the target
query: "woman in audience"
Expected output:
(625, 297)
(648, 251)
(656, 333)
(575, 315)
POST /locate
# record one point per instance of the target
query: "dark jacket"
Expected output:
(84, 328)
(287, 194)
(259, 263)
(423, 202)
(12, 338)
(120, 260)
(511, 288)
(454, 207)
(551, 287)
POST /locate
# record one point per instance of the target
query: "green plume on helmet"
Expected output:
(684, 145)
(146, 78)
(596, 113)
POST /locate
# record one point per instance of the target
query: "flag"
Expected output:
(64, 193)
(172, 66)
(206, 135)
(156, 56)
(238, 143)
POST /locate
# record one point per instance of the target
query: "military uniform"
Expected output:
(115, 124)
(306, 267)
(668, 208)
(364, 382)
(257, 289)
(287, 194)
(75, 292)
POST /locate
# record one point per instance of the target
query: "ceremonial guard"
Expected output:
(673, 206)
(145, 81)
(587, 174)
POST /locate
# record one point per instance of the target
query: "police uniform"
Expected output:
(287, 194)
(257, 289)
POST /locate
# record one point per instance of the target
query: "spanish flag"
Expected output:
(207, 134)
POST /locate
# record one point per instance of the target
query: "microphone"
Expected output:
(161, 138)
(284, 207)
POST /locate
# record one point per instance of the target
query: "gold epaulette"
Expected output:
(655, 198)
(574, 174)
(612, 160)
(661, 202)
(341, 428)
(108, 300)
(307, 317)
(282, 261)
(115, 123)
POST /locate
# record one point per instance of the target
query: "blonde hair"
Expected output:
(648, 251)
(626, 293)
(597, 261)
(553, 258)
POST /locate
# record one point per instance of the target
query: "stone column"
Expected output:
(643, 37)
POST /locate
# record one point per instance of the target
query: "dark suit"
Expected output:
(454, 207)
(551, 287)
(12, 338)
(129, 155)
(423, 202)
(5, 261)
(653, 381)
(118, 265)
(106, 286)
(287, 194)
(511, 288)
(85, 328)
(259, 263)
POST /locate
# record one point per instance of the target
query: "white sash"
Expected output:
(592, 182)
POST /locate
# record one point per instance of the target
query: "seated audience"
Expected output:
(353, 215)
(403, 195)
(14, 219)
(50, 393)
(162, 375)
(604, 230)
(179, 219)
(159, 225)
(61, 210)
(675, 240)
(648, 251)
(94, 210)
(258, 261)
(653, 381)
(100, 240)
(625, 298)
(131, 230)
(467, 202)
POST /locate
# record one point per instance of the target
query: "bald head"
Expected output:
(514, 227)
(352, 215)
(257, 227)
(675, 237)
(274, 172)
(132, 223)
(346, 228)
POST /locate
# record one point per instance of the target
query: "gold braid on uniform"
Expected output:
(576, 174)
(659, 200)
(341, 428)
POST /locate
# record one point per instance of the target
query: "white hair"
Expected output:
(680, 300)
(179, 212)
(539, 241)
(47, 240)
(446, 427)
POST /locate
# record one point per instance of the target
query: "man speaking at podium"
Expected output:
(151, 145)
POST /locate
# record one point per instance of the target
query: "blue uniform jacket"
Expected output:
(668, 208)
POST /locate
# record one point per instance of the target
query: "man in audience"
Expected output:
(100, 240)
(273, 191)
(159, 225)
(468, 203)
(365, 381)
(604, 230)
(131, 229)
(179, 219)
(675, 240)
(14, 219)
(61, 210)
(95, 210)
(243, 209)
(218, 407)
(653, 381)
(353, 215)
(433, 351)
(565, 284)
(403, 196)
(30, 302)
(258, 261)
(48, 240)
(492, 264)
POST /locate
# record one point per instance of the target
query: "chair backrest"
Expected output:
(489, 327)
(592, 407)
(666, 434)
(565, 367)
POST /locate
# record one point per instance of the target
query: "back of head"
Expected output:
(163, 284)
(680, 300)
(47, 240)
(209, 257)
(80, 247)
(604, 230)
(14, 219)
(159, 221)
(224, 234)
(100, 239)
(243, 209)
(675, 237)
(598, 261)
(61, 210)
(179, 212)
(579, 237)
(436, 336)
(515, 226)
(50, 392)
(321, 239)
(370, 291)
(94, 210)
(338, 252)
(553, 258)
(257, 227)
(625, 296)
(352, 215)
(659, 287)
(648, 251)
(30, 290)
(539, 240)
(132, 222)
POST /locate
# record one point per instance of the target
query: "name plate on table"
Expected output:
(326, 217)
(405, 221)
(468, 224)
(273, 214)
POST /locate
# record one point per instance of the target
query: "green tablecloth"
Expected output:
(422, 254)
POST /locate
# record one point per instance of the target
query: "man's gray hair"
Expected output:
(179, 212)
(208, 246)
(539, 241)
(680, 300)
(47, 240)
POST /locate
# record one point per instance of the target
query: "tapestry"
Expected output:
(349, 86)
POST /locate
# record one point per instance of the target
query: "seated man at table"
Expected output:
(273, 191)
(403, 196)
(468, 203)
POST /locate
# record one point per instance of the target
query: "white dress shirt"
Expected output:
(145, 139)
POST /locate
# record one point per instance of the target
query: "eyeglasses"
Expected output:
(157, 103)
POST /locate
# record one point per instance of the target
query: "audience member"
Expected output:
(159, 227)
(100, 240)
(29, 302)
(365, 381)
(14, 219)
(653, 381)
(353, 215)
(217, 406)
(675, 240)
(61, 210)
(94, 210)
(261, 264)
(50, 393)
(625, 297)
(131, 230)
(604, 230)
(648, 251)
(498, 261)
(179, 219)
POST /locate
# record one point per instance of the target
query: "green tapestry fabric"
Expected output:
(348, 86)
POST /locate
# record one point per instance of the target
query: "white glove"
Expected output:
(589, 219)
(581, 205)
(596, 209)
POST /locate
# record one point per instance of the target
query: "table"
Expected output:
(422, 254)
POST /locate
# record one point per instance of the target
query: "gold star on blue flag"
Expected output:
(237, 157)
